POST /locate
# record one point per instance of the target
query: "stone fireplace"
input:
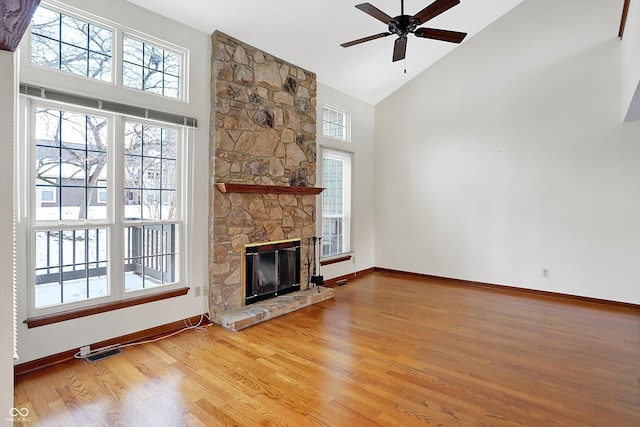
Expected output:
(263, 161)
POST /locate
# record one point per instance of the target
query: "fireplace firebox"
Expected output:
(271, 269)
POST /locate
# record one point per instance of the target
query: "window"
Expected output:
(150, 68)
(70, 158)
(78, 46)
(150, 172)
(150, 193)
(71, 152)
(71, 265)
(102, 195)
(47, 195)
(102, 213)
(70, 44)
(334, 123)
(336, 202)
(76, 241)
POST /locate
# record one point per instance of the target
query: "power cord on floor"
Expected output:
(201, 326)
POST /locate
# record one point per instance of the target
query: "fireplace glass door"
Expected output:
(271, 269)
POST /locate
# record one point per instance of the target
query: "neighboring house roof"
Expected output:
(67, 171)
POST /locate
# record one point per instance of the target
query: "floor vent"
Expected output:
(91, 358)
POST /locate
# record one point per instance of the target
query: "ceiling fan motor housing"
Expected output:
(403, 25)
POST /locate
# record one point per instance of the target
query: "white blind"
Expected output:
(114, 107)
(15, 296)
(14, 269)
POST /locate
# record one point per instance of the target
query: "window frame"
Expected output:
(114, 221)
(77, 91)
(146, 40)
(45, 189)
(118, 34)
(347, 158)
(99, 196)
(86, 17)
(347, 121)
(33, 225)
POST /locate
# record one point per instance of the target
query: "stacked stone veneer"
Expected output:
(263, 131)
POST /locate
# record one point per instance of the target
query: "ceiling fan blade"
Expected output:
(399, 49)
(433, 10)
(444, 35)
(370, 9)
(365, 39)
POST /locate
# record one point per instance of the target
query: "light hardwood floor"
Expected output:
(389, 350)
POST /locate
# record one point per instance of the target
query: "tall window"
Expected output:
(150, 193)
(75, 240)
(336, 202)
(71, 159)
(101, 190)
(335, 123)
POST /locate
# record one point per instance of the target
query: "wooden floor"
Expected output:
(386, 351)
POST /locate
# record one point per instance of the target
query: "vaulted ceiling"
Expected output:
(308, 33)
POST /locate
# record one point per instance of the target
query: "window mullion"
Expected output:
(116, 57)
(30, 202)
(116, 208)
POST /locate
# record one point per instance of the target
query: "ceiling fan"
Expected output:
(403, 24)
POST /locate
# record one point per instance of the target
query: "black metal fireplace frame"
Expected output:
(252, 253)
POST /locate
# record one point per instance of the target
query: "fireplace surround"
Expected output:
(263, 164)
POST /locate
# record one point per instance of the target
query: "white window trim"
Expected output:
(346, 195)
(347, 120)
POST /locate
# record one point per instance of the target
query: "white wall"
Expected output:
(510, 156)
(362, 192)
(6, 247)
(46, 340)
(631, 63)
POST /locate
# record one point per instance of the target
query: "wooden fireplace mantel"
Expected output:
(266, 189)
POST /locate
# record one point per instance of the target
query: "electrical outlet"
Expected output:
(197, 291)
(205, 291)
(545, 272)
(84, 351)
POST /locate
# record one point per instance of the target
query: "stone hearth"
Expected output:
(243, 317)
